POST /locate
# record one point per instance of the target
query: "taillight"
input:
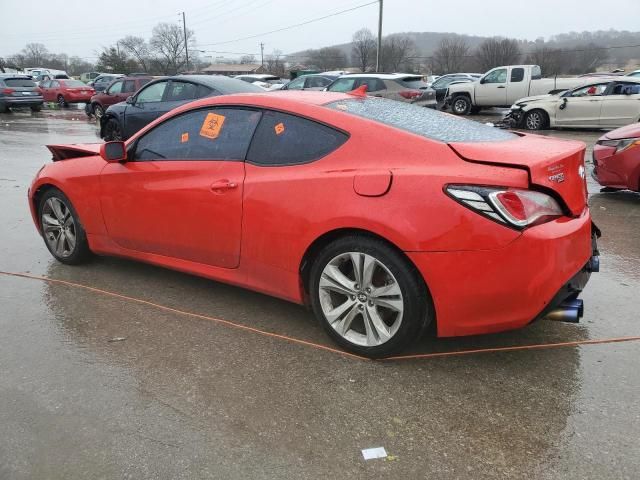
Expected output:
(621, 144)
(8, 91)
(514, 207)
(410, 95)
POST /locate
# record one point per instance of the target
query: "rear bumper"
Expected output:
(477, 292)
(21, 101)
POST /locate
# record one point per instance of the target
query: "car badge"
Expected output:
(558, 178)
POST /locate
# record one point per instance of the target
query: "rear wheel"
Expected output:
(112, 131)
(536, 120)
(61, 228)
(461, 105)
(368, 297)
(62, 102)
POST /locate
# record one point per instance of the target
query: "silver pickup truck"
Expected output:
(502, 86)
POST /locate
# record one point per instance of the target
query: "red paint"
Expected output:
(251, 225)
(622, 169)
(71, 94)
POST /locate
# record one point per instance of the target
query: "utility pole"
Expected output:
(186, 45)
(379, 52)
(262, 54)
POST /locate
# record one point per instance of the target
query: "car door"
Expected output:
(53, 91)
(112, 93)
(147, 105)
(620, 105)
(180, 195)
(44, 86)
(492, 88)
(581, 107)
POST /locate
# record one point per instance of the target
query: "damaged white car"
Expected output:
(600, 104)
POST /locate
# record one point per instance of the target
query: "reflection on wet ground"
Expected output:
(95, 386)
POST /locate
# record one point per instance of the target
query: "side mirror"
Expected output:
(482, 80)
(113, 152)
(130, 100)
(563, 105)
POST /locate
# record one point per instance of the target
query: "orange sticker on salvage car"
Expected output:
(185, 137)
(279, 128)
(212, 125)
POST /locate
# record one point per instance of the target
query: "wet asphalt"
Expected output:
(100, 387)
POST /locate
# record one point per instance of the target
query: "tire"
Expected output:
(62, 102)
(67, 244)
(112, 131)
(535, 120)
(98, 111)
(36, 108)
(461, 105)
(363, 322)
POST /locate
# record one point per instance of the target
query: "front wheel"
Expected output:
(61, 228)
(62, 102)
(461, 105)
(112, 131)
(368, 297)
(535, 120)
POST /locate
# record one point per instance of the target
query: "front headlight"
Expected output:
(518, 106)
(620, 145)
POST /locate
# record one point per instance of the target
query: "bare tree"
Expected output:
(363, 51)
(549, 59)
(586, 58)
(168, 44)
(139, 49)
(450, 56)
(274, 63)
(77, 66)
(328, 58)
(494, 52)
(396, 52)
(247, 59)
(35, 54)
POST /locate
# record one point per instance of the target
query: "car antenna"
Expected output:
(361, 91)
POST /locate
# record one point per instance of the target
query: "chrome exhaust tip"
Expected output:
(569, 311)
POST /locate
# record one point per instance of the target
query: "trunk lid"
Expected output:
(74, 150)
(552, 164)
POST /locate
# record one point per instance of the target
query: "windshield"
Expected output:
(421, 121)
(73, 83)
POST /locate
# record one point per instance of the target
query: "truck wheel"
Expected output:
(536, 120)
(461, 105)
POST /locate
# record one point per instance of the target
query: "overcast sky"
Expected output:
(82, 27)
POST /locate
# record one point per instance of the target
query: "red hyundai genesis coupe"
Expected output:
(386, 218)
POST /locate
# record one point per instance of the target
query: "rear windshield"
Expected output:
(73, 83)
(413, 82)
(421, 121)
(19, 82)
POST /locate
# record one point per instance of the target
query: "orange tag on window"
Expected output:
(212, 125)
(185, 137)
(279, 128)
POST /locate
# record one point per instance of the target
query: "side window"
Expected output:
(128, 86)
(142, 82)
(204, 91)
(205, 134)
(180, 91)
(116, 87)
(54, 84)
(373, 84)
(317, 82)
(343, 85)
(45, 84)
(283, 139)
(297, 84)
(152, 93)
(589, 91)
(625, 89)
(517, 74)
(497, 76)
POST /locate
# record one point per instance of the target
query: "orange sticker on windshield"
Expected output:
(212, 125)
(279, 128)
(185, 137)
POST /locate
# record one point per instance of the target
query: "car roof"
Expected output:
(15, 75)
(382, 76)
(221, 83)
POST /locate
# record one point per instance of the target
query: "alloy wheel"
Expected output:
(58, 227)
(534, 121)
(361, 299)
(460, 106)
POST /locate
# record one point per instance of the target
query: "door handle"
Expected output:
(502, 86)
(222, 186)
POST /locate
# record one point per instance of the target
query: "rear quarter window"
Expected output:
(283, 139)
(422, 121)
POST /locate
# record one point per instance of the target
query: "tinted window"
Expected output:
(283, 139)
(413, 82)
(317, 82)
(517, 74)
(373, 84)
(206, 134)
(421, 121)
(180, 91)
(297, 84)
(129, 86)
(343, 85)
(152, 93)
(19, 82)
(203, 91)
(116, 87)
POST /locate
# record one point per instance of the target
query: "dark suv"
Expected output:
(122, 120)
(117, 91)
(19, 91)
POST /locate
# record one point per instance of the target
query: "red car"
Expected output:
(117, 91)
(383, 216)
(65, 92)
(616, 159)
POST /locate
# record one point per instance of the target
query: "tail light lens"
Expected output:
(620, 145)
(8, 91)
(410, 94)
(514, 207)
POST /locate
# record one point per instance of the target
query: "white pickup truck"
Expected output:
(502, 86)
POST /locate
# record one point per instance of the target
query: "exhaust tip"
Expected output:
(570, 311)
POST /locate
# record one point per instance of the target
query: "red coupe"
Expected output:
(383, 216)
(65, 92)
(616, 159)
